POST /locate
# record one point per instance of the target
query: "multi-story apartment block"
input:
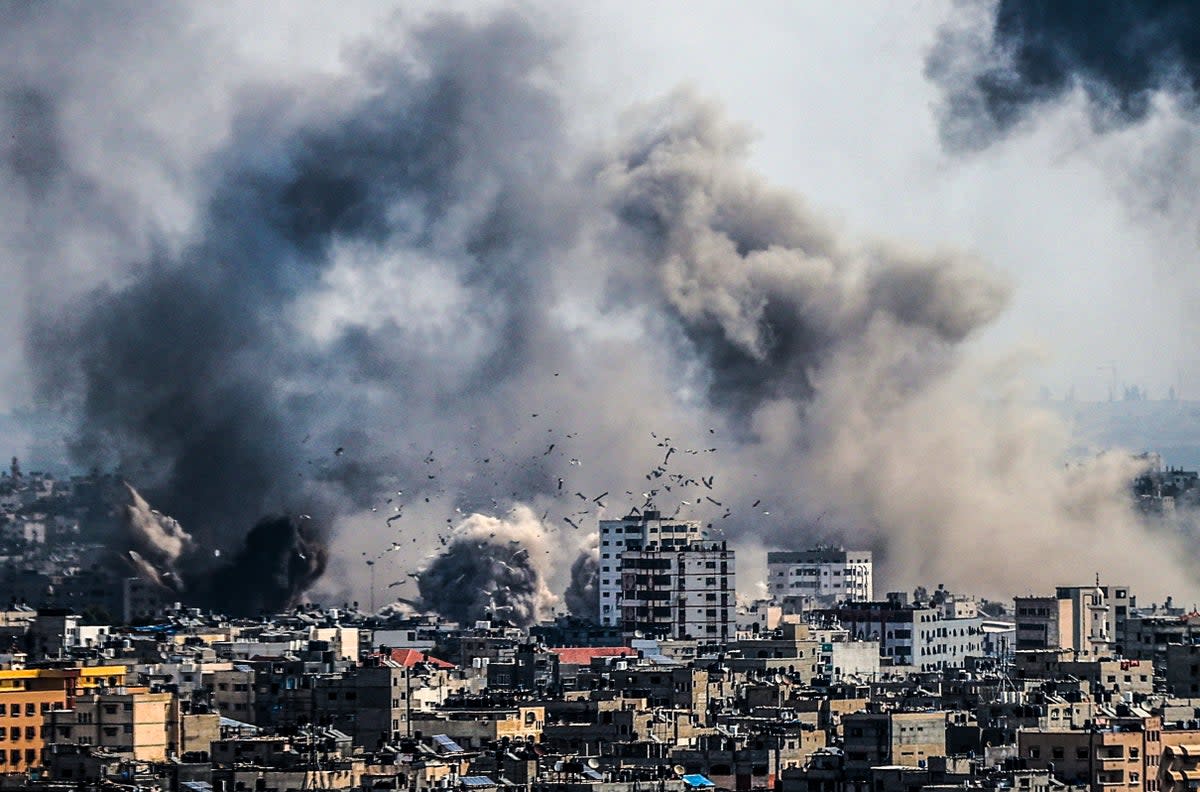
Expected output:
(132, 722)
(680, 592)
(634, 532)
(1044, 622)
(826, 574)
(917, 635)
(891, 738)
(1111, 753)
(28, 696)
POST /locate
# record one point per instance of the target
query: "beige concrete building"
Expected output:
(1044, 622)
(892, 738)
(128, 721)
(475, 728)
(1114, 754)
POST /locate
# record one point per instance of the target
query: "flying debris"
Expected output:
(503, 575)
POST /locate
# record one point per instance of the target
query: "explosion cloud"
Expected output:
(582, 594)
(274, 566)
(414, 286)
(493, 568)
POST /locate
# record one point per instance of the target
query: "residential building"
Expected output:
(634, 532)
(892, 738)
(679, 591)
(1112, 753)
(1044, 622)
(28, 696)
(826, 574)
(132, 722)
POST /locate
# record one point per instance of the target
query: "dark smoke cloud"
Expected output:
(278, 560)
(493, 568)
(763, 290)
(405, 294)
(1001, 62)
(582, 596)
(191, 377)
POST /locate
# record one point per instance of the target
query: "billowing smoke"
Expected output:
(492, 568)
(412, 291)
(276, 563)
(582, 596)
(1001, 61)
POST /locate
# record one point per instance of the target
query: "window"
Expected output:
(30, 732)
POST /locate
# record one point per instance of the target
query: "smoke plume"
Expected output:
(998, 66)
(276, 563)
(492, 569)
(582, 596)
(412, 290)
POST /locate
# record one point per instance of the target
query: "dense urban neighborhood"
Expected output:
(676, 684)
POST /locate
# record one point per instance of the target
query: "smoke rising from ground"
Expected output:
(493, 568)
(409, 293)
(278, 560)
(582, 596)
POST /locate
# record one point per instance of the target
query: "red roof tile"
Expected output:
(410, 657)
(582, 655)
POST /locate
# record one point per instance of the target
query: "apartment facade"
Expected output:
(634, 532)
(826, 574)
(680, 592)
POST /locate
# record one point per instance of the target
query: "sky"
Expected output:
(847, 243)
(843, 112)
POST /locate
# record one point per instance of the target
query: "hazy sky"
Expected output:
(837, 97)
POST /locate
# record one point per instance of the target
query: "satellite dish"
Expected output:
(677, 770)
(638, 634)
(558, 766)
(593, 763)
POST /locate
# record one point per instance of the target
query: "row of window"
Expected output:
(31, 708)
(14, 733)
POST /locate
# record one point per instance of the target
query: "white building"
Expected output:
(682, 592)
(826, 574)
(633, 533)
